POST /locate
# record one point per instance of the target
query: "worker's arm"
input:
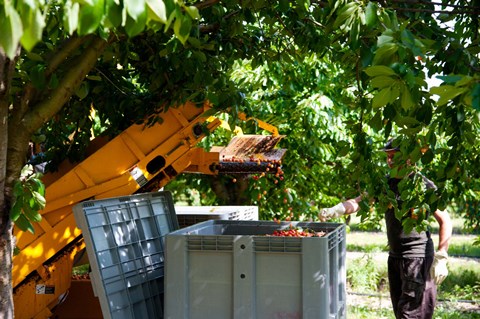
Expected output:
(439, 270)
(347, 207)
(445, 229)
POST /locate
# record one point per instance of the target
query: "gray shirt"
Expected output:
(413, 244)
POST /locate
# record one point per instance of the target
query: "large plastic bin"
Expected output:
(230, 269)
(191, 215)
(124, 238)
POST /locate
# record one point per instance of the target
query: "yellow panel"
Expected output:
(30, 302)
(36, 253)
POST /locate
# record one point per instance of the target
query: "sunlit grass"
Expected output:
(460, 245)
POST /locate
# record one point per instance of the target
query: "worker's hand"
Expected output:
(331, 212)
(439, 270)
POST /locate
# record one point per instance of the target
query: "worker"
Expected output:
(414, 268)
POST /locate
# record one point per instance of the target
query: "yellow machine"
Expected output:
(139, 159)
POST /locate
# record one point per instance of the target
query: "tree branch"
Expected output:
(64, 52)
(206, 4)
(20, 131)
(56, 58)
(44, 110)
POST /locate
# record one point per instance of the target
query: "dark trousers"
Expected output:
(412, 291)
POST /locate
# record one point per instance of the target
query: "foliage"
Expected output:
(29, 196)
(295, 104)
(23, 21)
(463, 292)
(355, 71)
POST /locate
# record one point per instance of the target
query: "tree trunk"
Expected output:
(6, 242)
(230, 192)
(16, 126)
(6, 253)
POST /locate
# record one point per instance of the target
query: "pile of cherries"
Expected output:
(297, 232)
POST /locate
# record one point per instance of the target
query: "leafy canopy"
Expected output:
(337, 77)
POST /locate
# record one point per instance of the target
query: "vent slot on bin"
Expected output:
(278, 244)
(213, 243)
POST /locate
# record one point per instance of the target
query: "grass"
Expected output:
(376, 241)
(460, 245)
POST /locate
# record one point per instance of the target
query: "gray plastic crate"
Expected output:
(191, 215)
(124, 238)
(230, 269)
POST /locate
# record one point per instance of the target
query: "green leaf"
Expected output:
(82, 91)
(39, 199)
(70, 18)
(18, 188)
(450, 170)
(37, 186)
(382, 81)
(407, 121)
(376, 122)
(24, 224)
(371, 14)
(90, 17)
(114, 13)
(32, 214)
(34, 23)
(407, 38)
(378, 70)
(284, 5)
(385, 39)
(27, 170)
(446, 93)
(465, 80)
(170, 20)
(384, 54)
(345, 13)
(382, 98)
(427, 157)
(193, 12)
(37, 76)
(34, 56)
(354, 35)
(416, 154)
(133, 27)
(450, 79)
(182, 27)
(476, 97)
(11, 29)
(16, 209)
(135, 8)
(406, 100)
(157, 10)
